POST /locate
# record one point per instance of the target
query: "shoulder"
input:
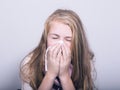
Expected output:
(26, 59)
(25, 69)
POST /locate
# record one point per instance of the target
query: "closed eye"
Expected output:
(54, 37)
(68, 39)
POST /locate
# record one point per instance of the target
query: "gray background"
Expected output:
(21, 25)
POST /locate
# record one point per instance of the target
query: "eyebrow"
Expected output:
(54, 34)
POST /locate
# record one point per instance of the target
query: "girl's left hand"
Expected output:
(65, 61)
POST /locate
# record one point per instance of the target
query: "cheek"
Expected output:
(68, 44)
(51, 42)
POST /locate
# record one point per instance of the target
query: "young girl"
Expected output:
(62, 60)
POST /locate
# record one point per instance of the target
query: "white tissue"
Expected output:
(60, 42)
(46, 58)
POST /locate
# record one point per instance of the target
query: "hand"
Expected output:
(53, 60)
(65, 62)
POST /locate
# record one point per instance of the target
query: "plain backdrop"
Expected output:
(21, 26)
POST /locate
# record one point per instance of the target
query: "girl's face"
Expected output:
(59, 32)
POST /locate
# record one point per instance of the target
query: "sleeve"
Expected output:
(26, 86)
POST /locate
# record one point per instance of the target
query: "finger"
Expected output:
(63, 52)
(66, 52)
(52, 48)
(59, 55)
(56, 51)
(67, 49)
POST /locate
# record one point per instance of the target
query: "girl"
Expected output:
(62, 60)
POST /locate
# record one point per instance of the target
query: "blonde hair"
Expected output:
(81, 54)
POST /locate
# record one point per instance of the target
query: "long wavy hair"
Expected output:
(32, 71)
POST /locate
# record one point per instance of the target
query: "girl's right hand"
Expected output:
(53, 59)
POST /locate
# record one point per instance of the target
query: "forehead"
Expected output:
(60, 28)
